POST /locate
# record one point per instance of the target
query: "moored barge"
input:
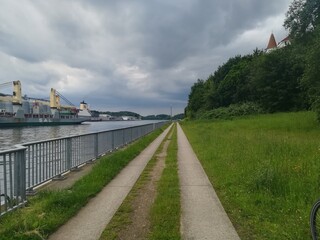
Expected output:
(18, 111)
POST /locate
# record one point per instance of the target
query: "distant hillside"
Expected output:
(122, 113)
(178, 116)
(163, 117)
(149, 117)
(157, 117)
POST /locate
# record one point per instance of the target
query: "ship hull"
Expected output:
(18, 111)
(26, 124)
(12, 122)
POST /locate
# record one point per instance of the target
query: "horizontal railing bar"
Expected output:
(72, 136)
(29, 165)
(17, 149)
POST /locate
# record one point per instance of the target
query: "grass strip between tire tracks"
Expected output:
(48, 210)
(122, 217)
(166, 210)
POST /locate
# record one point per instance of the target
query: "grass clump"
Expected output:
(48, 210)
(265, 170)
(165, 212)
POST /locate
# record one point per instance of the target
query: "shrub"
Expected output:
(234, 110)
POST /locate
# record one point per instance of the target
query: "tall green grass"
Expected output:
(165, 212)
(265, 169)
(50, 209)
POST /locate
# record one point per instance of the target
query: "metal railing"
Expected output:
(31, 164)
(12, 179)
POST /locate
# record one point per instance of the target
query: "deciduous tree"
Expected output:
(302, 17)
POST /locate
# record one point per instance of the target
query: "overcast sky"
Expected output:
(135, 55)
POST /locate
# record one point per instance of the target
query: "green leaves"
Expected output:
(271, 81)
(286, 79)
(311, 81)
(275, 77)
(302, 17)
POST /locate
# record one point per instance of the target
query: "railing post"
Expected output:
(20, 175)
(123, 138)
(112, 141)
(96, 146)
(68, 153)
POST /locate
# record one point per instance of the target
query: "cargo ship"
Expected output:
(18, 111)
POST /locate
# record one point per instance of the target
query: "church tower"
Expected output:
(272, 45)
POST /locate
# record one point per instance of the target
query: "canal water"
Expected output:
(12, 136)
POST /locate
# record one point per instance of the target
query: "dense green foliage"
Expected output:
(311, 81)
(163, 117)
(178, 116)
(234, 110)
(302, 17)
(122, 113)
(285, 79)
(157, 117)
(149, 117)
(265, 170)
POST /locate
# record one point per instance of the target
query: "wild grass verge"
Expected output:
(123, 216)
(48, 210)
(165, 212)
(265, 170)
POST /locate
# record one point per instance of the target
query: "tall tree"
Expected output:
(234, 87)
(275, 79)
(311, 81)
(196, 98)
(213, 97)
(302, 17)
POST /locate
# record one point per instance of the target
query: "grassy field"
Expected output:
(50, 209)
(265, 169)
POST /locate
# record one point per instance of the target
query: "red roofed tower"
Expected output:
(272, 43)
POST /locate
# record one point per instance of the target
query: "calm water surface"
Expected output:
(12, 136)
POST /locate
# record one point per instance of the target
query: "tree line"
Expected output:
(286, 79)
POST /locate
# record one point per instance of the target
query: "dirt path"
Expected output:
(92, 219)
(145, 196)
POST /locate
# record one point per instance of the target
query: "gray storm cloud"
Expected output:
(128, 55)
